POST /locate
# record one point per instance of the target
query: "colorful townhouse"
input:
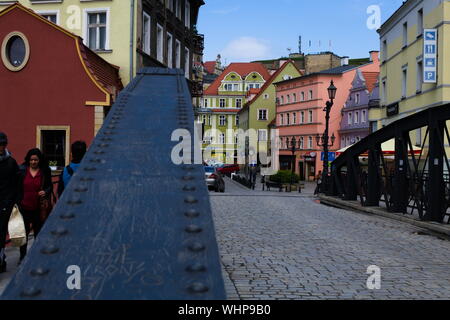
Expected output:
(355, 114)
(300, 114)
(260, 110)
(51, 95)
(415, 71)
(131, 34)
(220, 106)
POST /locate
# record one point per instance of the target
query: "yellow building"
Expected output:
(407, 82)
(129, 34)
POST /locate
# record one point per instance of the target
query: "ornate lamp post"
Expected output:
(324, 140)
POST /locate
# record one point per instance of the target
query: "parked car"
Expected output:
(214, 179)
(228, 169)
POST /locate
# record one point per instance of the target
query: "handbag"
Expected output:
(45, 205)
(16, 228)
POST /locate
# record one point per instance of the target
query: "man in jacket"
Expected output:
(8, 193)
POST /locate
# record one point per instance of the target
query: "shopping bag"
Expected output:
(16, 228)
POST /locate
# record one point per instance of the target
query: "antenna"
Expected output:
(300, 44)
(289, 50)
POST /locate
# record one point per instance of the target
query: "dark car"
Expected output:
(228, 169)
(214, 179)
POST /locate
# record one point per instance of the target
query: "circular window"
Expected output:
(15, 51)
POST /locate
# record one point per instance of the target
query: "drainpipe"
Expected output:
(131, 39)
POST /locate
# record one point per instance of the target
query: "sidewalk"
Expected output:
(433, 227)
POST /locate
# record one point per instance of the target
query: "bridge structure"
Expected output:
(414, 180)
(133, 224)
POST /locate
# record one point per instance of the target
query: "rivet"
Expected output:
(86, 179)
(198, 287)
(111, 127)
(188, 178)
(108, 133)
(50, 249)
(74, 202)
(81, 189)
(39, 272)
(90, 169)
(196, 267)
(189, 188)
(67, 216)
(106, 139)
(60, 231)
(193, 229)
(196, 247)
(192, 213)
(190, 200)
(103, 145)
(30, 292)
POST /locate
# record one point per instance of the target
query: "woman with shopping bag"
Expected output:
(35, 189)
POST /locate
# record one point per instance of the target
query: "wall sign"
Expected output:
(430, 56)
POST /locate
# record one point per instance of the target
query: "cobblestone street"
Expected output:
(288, 246)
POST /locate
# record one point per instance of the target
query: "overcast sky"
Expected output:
(246, 30)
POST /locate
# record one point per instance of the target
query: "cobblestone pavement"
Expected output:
(286, 246)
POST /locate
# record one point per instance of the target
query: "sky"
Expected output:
(248, 30)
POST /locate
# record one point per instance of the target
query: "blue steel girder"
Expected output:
(135, 224)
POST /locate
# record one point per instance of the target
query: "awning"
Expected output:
(387, 147)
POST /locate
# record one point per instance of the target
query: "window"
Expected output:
(187, 63)
(384, 91)
(169, 5)
(235, 87)
(356, 117)
(282, 100)
(53, 143)
(294, 118)
(262, 135)
(238, 103)
(373, 126)
(237, 120)
(419, 137)
(302, 117)
(209, 120)
(178, 8)
(302, 143)
(221, 138)
(363, 117)
(310, 95)
(419, 76)
(169, 50)
(96, 30)
(281, 119)
(288, 119)
(303, 96)
(15, 51)
(262, 114)
(222, 120)
(177, 54)
(187, 14)
(404, 82)
(405, 34)
(419, 22)
(146, 33)
(342, 142)
(385, 53)
(350, 118)
(266, 96)
(205, 103)
(228, 87)
(310, 116)
(348, 141)
(294, 97)
(288, 99)
(357, 98)
(159, 44)
(53, 17)
(222, 103)
(310, 142)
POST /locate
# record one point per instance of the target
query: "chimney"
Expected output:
(374, 56)
(344, 61)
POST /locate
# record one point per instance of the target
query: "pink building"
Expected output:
(300, 114)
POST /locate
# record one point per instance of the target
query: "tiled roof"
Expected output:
(338, 70)
(210, 66)
(371, 78)
(243, 69)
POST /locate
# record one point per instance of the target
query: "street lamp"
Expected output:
(293, 149)
(324, 140)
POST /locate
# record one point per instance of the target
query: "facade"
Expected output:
(220, 105)
(355, 114)
(69, 89)
(129, 34)
(260, 110)
(403, 90)
(300, 114)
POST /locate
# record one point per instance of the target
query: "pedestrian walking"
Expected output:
(319, 183)
(35, 185)
(78, 150)
(8, 193)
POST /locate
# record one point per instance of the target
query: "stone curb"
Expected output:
(354, 205)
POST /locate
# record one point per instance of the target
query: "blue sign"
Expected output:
(430, 56)
(430, 62)
(331, 156)
(430, 35)
(430, 76)
(430, 49)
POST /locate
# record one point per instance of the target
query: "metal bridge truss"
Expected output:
(414, 181)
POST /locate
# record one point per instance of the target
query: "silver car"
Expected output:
(214, 179)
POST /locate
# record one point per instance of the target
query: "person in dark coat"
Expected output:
(8, 193)
(35, 183)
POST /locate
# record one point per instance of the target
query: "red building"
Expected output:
(54, 90)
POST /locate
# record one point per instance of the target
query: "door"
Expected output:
(301, 166)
